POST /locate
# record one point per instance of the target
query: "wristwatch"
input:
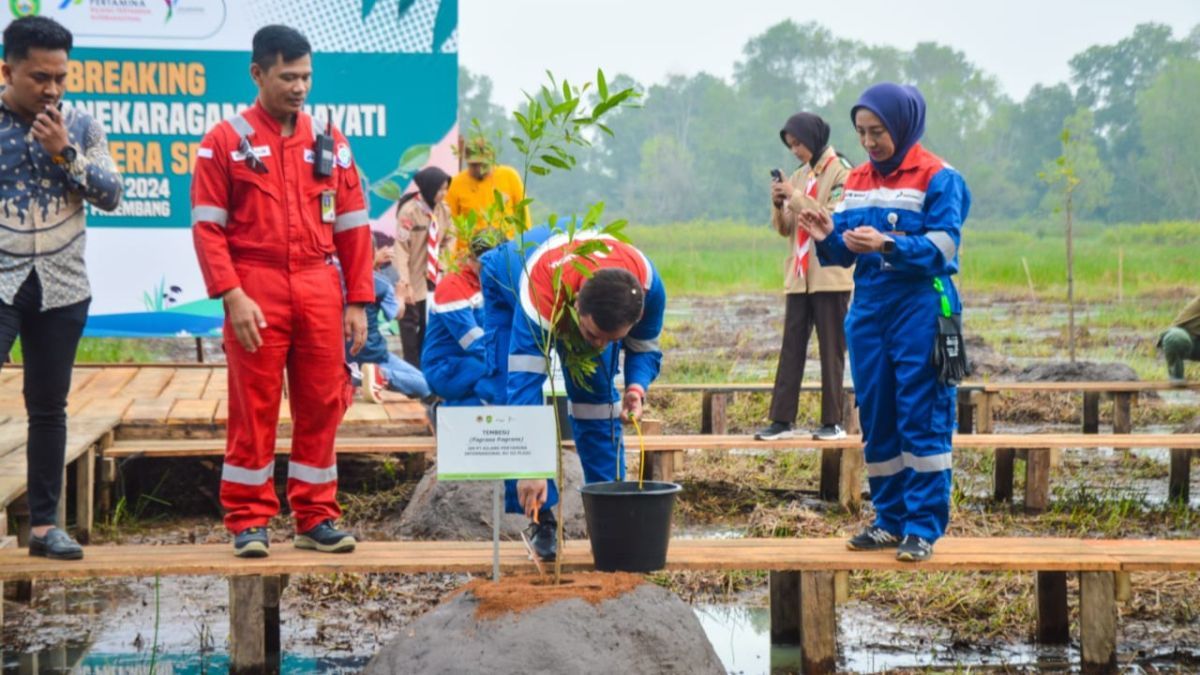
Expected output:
(889, 245)
(66, 156)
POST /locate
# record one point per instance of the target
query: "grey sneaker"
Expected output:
(872, 538)
(914, 549)
(251, 542)
(829, 432)
(777, 431)
(325, 538)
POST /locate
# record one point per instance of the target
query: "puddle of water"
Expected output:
(79, 660)
(740, 636)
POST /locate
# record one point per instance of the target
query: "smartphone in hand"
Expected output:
(776, 175)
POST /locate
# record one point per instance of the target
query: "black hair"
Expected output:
(381, 239)
(34, 32)
(274, 41)
(485, 241)
(613, 298)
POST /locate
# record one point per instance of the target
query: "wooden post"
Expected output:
(1097, 622)
(985, 407)
(850, 413)
(1091, 412)
(1053, 626)
(850, 478)
(1180, 480)
(254, 624)
(85, 495)
(966, 412)
(785, 608)
(1122, 414)
(659, 465)
(818, 622)
(21, 591)
(1002, 474)
(712, 413)
(1037, 480)
(1124, 587)
(61, 516)
(841, 587)
(831, 473)
(5, 542)
(108, 484)
(272, 593)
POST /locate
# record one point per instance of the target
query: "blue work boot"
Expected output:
(873, 538)
(56, 545)
(325, 538)
(914, 549)
(251, 542)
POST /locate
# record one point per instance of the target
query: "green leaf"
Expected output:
(388, 190)
(601, 84)
(582, 269)
(555, 162)
(604, 128)
(414, 158)
(539, 170)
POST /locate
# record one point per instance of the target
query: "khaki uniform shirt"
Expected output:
(412, 235)
(829, 176)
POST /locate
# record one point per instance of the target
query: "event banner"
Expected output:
(158, 74)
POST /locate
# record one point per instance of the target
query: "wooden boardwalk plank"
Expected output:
(953, 554)
(215, 447)
(82, 434)
(361, 411)
(217, 387)
(148, 411)
(189, 382)
(192, 411)
(402, 444)
(148, 383)
(404, 411)
(108, 382)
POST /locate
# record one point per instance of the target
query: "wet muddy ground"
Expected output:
(911, 622)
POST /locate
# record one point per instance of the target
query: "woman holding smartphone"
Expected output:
(901, 221)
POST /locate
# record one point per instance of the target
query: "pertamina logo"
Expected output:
(22, 8)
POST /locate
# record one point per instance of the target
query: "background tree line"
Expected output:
(702, 147)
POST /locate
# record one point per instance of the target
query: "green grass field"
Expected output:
(722, 257)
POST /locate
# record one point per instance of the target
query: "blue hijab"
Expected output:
(901, 108)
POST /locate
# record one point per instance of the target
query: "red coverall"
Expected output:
(268, 234)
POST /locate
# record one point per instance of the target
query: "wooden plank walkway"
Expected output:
(1021, 554)
(215, 447)
(148, 397)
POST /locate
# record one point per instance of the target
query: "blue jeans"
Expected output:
(403, 377)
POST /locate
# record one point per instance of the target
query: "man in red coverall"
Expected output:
(276, 205)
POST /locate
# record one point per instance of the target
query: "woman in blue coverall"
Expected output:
(901, 221)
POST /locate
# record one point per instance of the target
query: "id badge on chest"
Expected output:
(328, 206)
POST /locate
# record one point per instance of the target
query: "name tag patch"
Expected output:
(260, 151)
(309, 155)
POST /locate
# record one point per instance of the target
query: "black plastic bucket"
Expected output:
(629, 528)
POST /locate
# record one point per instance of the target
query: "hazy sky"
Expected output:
(1021, 42)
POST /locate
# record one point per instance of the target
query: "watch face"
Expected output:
(68, 153)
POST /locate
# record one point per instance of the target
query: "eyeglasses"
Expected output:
(256, 165)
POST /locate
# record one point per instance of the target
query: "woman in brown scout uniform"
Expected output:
(816, 295)
(423, 229)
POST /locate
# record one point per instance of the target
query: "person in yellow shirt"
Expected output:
(474, 188)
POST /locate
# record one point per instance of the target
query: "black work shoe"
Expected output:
(872, 538)
(251, 542)
(914, 549)
(543, 536)
(777, 431)
(829, 432)
(325, 538)
(56, 545)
